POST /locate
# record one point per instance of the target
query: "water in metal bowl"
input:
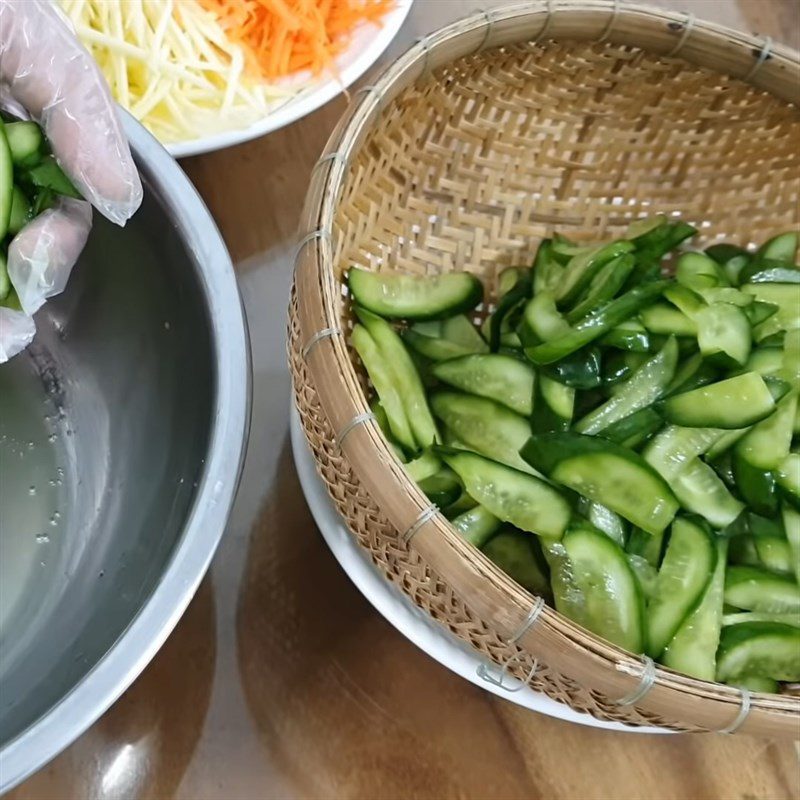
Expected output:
(122, 431)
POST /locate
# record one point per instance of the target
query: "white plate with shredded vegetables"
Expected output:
(202, 75)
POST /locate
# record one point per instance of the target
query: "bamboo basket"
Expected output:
(573, 116)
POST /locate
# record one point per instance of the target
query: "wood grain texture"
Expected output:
(268, 690)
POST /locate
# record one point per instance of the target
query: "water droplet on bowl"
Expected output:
(32, 491)
(42, 538)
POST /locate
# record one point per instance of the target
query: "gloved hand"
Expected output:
(47, 74)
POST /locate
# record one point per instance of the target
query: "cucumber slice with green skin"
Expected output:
(629, 335)
(725, 442)
(641, 390)
(731, 258)
(383, 380)
(761, 650)
(606, 473)
(652, 246)
(634, 430)
(423, 466)
(639, 229)
(5, 282)
(512, 496)
(646, 545)
(787, 476)
(611, 602)
(581, 370)
(560, 399)
(765, 361)
(547, 270)
(6, 182)
(513, 552)
(755, 589)
(463, 504)
(776, 275)
(791, 359)
(664, 319)
(20, 211)
(486, 427)
(791, 526)
(47, 174)
(756, 486)
(501, 378)
(755, 616)
(604, 519)
(584, 266)
(723, 334)
(693, 648)
(509, 278)
(383, 423)
(775, 554)
(415, 297)
(603, 287)
(541, 320)
(693, 373)
(732, 403)
(646, 574)
(450, 338)
(505, 319)
(698, 271)
(26, 143)
(754, 684)
(782, 247)
(786, 296)
(442, 489)
(618, 367)
(758, 312)
(477, 525)
(767, 443)
(674, 447)
(700, 490)
(726, 294)
(688, 564)
(597, 324)
(406, 377)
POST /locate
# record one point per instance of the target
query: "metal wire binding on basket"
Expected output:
(434, 171)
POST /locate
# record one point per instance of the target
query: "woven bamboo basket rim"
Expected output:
(612, 674)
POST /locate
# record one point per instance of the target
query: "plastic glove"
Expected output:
(47, 72)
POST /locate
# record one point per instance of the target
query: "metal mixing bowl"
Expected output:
(122, 434)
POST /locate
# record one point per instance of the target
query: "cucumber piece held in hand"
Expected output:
(415, 297)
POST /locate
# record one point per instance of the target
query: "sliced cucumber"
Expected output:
(612, 603)
(584, 266)
(26, 142)
(693, 648)
(447, 339)
(512, 496)
(646, 545)
(723, 333)
(786, 296)
(698, 271)
(6, 182)
(756, 486)
(383, 423)
(674, 447)
(632, 431)
(604, 519)
(664, 319)
(553, 406)
(642, 389)
(775, 553)
(791, 526)
(787, 477)
(505, 379)
(765, 361)
(732, 403)
(513, 551)
(47, 174)
(415, 296)
(405, 375)
(754, 589)
(423, 466)
(541, 320)
(700, 490)
(606, 473)
(442, 489)
(761, 650)
(755, 616)
(629, 335)
(688, 564)
(5, 282)
(485, 426)
(782, 247)
(477, 525)
(385, 385)
(766, 444)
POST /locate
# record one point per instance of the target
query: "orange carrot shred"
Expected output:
(280, 37)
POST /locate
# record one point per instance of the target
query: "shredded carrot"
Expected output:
(280, 37)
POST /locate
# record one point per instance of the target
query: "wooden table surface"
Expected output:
(281, 681)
